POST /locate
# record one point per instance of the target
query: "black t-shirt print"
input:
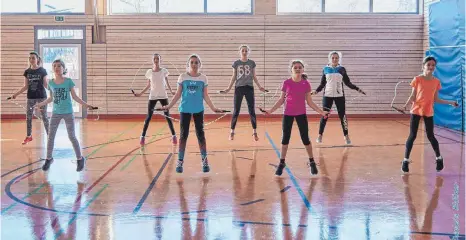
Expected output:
(35, 78)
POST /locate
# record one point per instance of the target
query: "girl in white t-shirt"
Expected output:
(157, 81)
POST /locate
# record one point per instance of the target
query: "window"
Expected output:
(61, 6)
(19, 6)
(132, 6)
(402, 6)
(229, 6)
(348, 6)
(60, 34)
(179, 6)
(296, 6)
(43, 6)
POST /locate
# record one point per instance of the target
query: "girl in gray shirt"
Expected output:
(243, 76)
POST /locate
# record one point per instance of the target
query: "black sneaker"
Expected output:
(205, 166)
(80, 164)
(439, 162)
(405, 166)
(179, 166)
(313, 167)
(47, 164)
(280, 168)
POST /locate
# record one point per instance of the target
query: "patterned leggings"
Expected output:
(69, 122)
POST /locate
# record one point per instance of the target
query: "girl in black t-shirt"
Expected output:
(35, 81)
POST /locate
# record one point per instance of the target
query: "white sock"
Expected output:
(439, 158)
(232, 130)
(407, 160)
(254, 131)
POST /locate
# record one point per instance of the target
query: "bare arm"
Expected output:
(411, 98)
(168, 86)
(143, 90)
(442, 101)
(232, 81)
(46, 101)
(78, 99)
(21, 90)
(257, 81)
(208, 101)
(175, 98)
(46, 85)
(277, 104)
(313, 105)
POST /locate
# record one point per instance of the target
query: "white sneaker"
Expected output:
(319, 139)
(347, 140)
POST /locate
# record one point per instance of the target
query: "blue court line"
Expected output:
(242, 223)
(285, 189)
(252, 202)
(28, 195)
(439, 234)
(151, 185)
(293, 179)
(16, 169)
(59, 233)
(17, 200)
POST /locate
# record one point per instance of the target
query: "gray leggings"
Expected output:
(43, 113)
(69, 122)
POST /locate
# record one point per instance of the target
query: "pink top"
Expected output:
(295, 98)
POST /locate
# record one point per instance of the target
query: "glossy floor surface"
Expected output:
(126, 192)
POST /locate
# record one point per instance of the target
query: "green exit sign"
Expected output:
(59, 18)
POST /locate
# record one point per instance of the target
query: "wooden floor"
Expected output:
(127, 192)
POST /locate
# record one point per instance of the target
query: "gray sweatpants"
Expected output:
(43, 113)
(69, 122)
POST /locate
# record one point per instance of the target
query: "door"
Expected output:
(68, 44)
(71, 56)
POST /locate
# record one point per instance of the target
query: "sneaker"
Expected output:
(313, 167)
(439, 162)
(256, 138)
(174, 140)
(405, 165)
(179, 166)
(142, 141)
(80, 164)
(47, 164)
(26, 140)
(319, 139)
(232, 136)
(347, 140)
(205, 165)
(280, 168)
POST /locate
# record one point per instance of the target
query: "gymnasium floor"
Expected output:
(127, 192)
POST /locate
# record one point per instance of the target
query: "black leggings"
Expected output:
(185, 120)
(327, 103)
(414, 125)
(240, 92)
(150, 112)
(287, 125)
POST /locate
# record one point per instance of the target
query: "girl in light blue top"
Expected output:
(61, 91)
(192, 89)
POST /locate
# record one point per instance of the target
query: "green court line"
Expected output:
(138, 154)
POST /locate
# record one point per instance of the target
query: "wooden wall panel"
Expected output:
(378, 51)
